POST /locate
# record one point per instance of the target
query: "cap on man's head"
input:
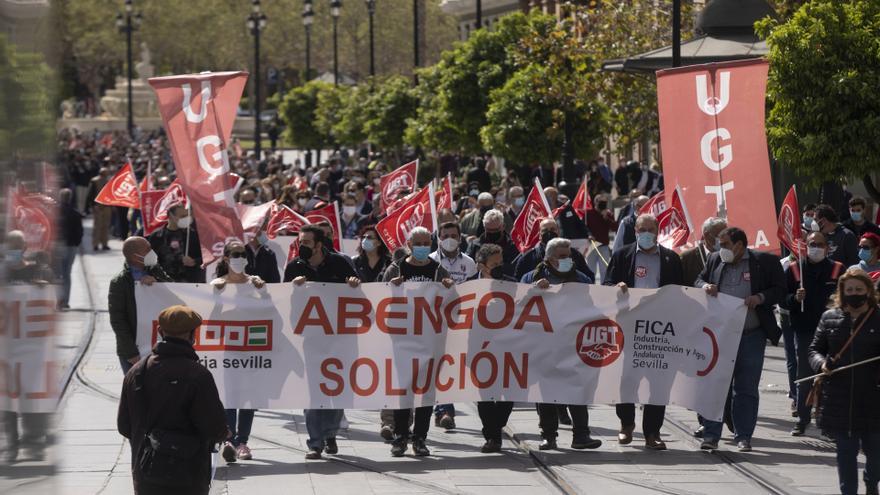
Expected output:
(178, 321)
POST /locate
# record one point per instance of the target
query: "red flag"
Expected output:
(712, 138)
(330, 214)
(107, 140)
(285, 220)
(298, 182)
(581, 203)
(198, 111)
(121, 190)
(419, 211)
(252, 218)
(444, 194)
(155, 204)
(526, 232)
(656, 205)
(789, 225)
(293, 250)
(390, 185)
(34, 215)
(674, 223)
(145, 184)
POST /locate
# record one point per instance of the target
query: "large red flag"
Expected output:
(419, 211)
(674, 223)
(581, 203)
(285, 220)
(656, 205)
(155, 205)
(330, 214)
(121, 190)
(390, 184)
(198, 111)
(789, 226)
(713, 141)
(34, 215)
(526, 232)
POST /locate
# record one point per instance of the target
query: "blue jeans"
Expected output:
(802, 341)
(744, 398)
(240, 422)
(848, 459)
(321, 425)
(788, 338)
(441, 409)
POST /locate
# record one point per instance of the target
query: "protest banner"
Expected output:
(714, 145)
(380, 346)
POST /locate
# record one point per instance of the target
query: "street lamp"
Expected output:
(335, 7)
(371, 9)
(308, 16)
(129, 23)
(256, 22)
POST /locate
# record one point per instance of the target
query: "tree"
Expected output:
(330, 102)
(386, 112)
(349, 125)
(824, 73)
(298, 110)
(27, 127)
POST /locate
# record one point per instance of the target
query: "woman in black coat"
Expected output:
(849, 404)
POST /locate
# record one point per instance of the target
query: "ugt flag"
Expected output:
(674, 223)
(391, 184)
(121, 190)
(419, 211)
(526, 232)
(789, 225)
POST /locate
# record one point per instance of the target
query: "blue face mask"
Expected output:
(864, 254)
(565, 265)
(646, 240)
(420, 253)
(368, 244)
(519, 202)
(856, 216)
(263, 238)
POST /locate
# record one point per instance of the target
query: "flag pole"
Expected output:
(800, 254)
(835, 370)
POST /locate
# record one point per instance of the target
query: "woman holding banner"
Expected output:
(231, 270)
(849, 399)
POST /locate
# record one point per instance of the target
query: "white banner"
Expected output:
(380, 346)
(29, 375)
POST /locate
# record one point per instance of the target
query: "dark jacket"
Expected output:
(626, 232)
(554, 277)
(183, 398)
(843, 246)
(123, 309)
(850, 399)
(766, 278)
(820, 282)
(70, 226)
(335, 269)
(865, 227)
(527, 261)
(623, 262)
(170, 249)
(365, 272)
(692, 263)
(263, 264)
(571, 226)
(508, 250)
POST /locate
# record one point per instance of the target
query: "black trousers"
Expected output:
(549, 420)
(494, 416)
(420, 426)
(652, 417)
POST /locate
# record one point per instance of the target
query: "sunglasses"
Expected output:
(237, 254)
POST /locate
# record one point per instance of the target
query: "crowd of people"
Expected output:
(822, 302)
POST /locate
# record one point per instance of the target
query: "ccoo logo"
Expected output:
(600, 342)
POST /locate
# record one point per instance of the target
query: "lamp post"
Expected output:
(129, 23)
(256, 22)
(335, 8)
(479, 14)
(308, 16)
(676, 33)
(371, 9)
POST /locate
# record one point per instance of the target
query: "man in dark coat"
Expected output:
(495, 233)
(758, 279)
(141, 265)
(70, 226)
(170, 391)
(529, 260)
(177, 245)
(643, 265)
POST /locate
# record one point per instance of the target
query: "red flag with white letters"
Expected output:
(285, 220)
(526, 232)
(656, 205)
(121, 190)
(34, 215)
(155, 205)
(420, 210)
(789, 224)
(391, 184)
(198, 111)
(674, 223)
(253, 217)
(329, 214)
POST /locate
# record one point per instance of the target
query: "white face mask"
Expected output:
(449, 244)
(237, 265)
(565, 265)
(302, 202)
(816, 254)
(349, 211)
(726, 255)
(184, 222)
(151, 259)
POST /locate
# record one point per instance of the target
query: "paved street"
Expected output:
(92, 458)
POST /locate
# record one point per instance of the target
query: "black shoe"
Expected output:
(799, 429)
(871, 490)
(313, 454)
(447, 422)
(419, 448)
(105, 248)
(585, 442)
(398, 448)
(331, 447)
(709, 445)
(491, 447)
(228, 453)
(698, 433)
(547, 444)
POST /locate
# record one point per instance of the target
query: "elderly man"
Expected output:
(516, 199)
(170, 392)
(141, 265)
(552, 195)
(526, 262)
(494, 232)
(556, 268)
(472, 223)
(694, 260)
(643, 265)
(758, 279)
(626, 233)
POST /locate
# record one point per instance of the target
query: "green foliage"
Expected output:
(26, 119)
(387, 109)
(824, 74)
(349, 126)
(331, 101)
(299, 112)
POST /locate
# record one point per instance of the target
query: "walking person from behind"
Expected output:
(70, 225)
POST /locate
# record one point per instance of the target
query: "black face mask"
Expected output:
(484, 209)
(493, 237)
(547, 237)
(855, 300)
(497, 273)
(602, 205)
(305, 253)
